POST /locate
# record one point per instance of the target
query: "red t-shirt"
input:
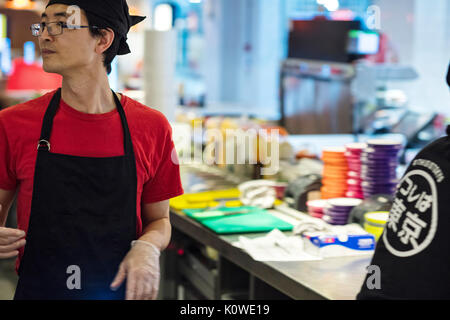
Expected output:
(89, 135)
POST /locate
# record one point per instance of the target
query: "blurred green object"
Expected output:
(217, 212)
(238, 220)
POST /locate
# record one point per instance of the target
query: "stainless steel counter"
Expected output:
(330, 278)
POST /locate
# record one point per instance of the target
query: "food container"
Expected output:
(375, 221)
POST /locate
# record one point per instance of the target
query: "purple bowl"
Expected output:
(379, 162)
(378, 170)
(379, 185)
(384, 143)
(379, 181)
(380, 153)
(330, 220)
(378, 191)
(379, 158)
(337, 211)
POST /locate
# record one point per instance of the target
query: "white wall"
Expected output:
(243, 52)
(420, 31)
(431, 55)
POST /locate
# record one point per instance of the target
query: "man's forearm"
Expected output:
(6, 200)
(157, 232)
(3, 217)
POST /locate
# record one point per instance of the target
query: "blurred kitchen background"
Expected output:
(311, 67)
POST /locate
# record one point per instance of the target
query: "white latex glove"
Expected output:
(141, 268)
(259, 193)
(11, 240)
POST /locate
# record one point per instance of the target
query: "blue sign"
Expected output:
(29, 52)
(5, 62)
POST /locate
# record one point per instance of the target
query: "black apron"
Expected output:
(413, 254)
(83, 218)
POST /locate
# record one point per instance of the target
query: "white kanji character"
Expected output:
(396, 213)
(405, 192)
(411, 228)
(409, 191)
(411, 197)
(424, 202)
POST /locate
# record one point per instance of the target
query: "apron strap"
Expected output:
(47, 124)
(127, 144)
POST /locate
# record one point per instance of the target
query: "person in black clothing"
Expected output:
(413, 254)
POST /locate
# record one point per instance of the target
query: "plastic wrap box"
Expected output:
(327, 245)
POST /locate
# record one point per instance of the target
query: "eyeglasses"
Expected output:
(54, 28)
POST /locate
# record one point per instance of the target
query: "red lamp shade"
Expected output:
(31, 77)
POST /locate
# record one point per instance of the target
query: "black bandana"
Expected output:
(107, 14)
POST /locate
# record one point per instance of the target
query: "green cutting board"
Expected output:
(258, 220)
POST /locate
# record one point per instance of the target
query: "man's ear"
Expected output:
(105, 40)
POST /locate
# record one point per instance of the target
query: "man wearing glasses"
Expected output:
(93, 170)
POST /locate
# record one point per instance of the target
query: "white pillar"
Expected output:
(159, 71)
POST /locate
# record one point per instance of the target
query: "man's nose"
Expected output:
(45, 35)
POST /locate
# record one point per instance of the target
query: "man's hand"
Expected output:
(10, 241)
(141, 268)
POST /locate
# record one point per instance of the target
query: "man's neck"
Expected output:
(88, 92)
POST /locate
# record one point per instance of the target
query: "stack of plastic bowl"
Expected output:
(379, 162)
(354, 181)
(374, 222)
(338, 210)
(334, 182)
(316, 208)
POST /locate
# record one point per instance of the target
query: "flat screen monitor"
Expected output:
(325, 40)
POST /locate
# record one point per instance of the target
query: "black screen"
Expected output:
(325, 40)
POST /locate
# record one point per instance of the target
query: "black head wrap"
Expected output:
(107, 14)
